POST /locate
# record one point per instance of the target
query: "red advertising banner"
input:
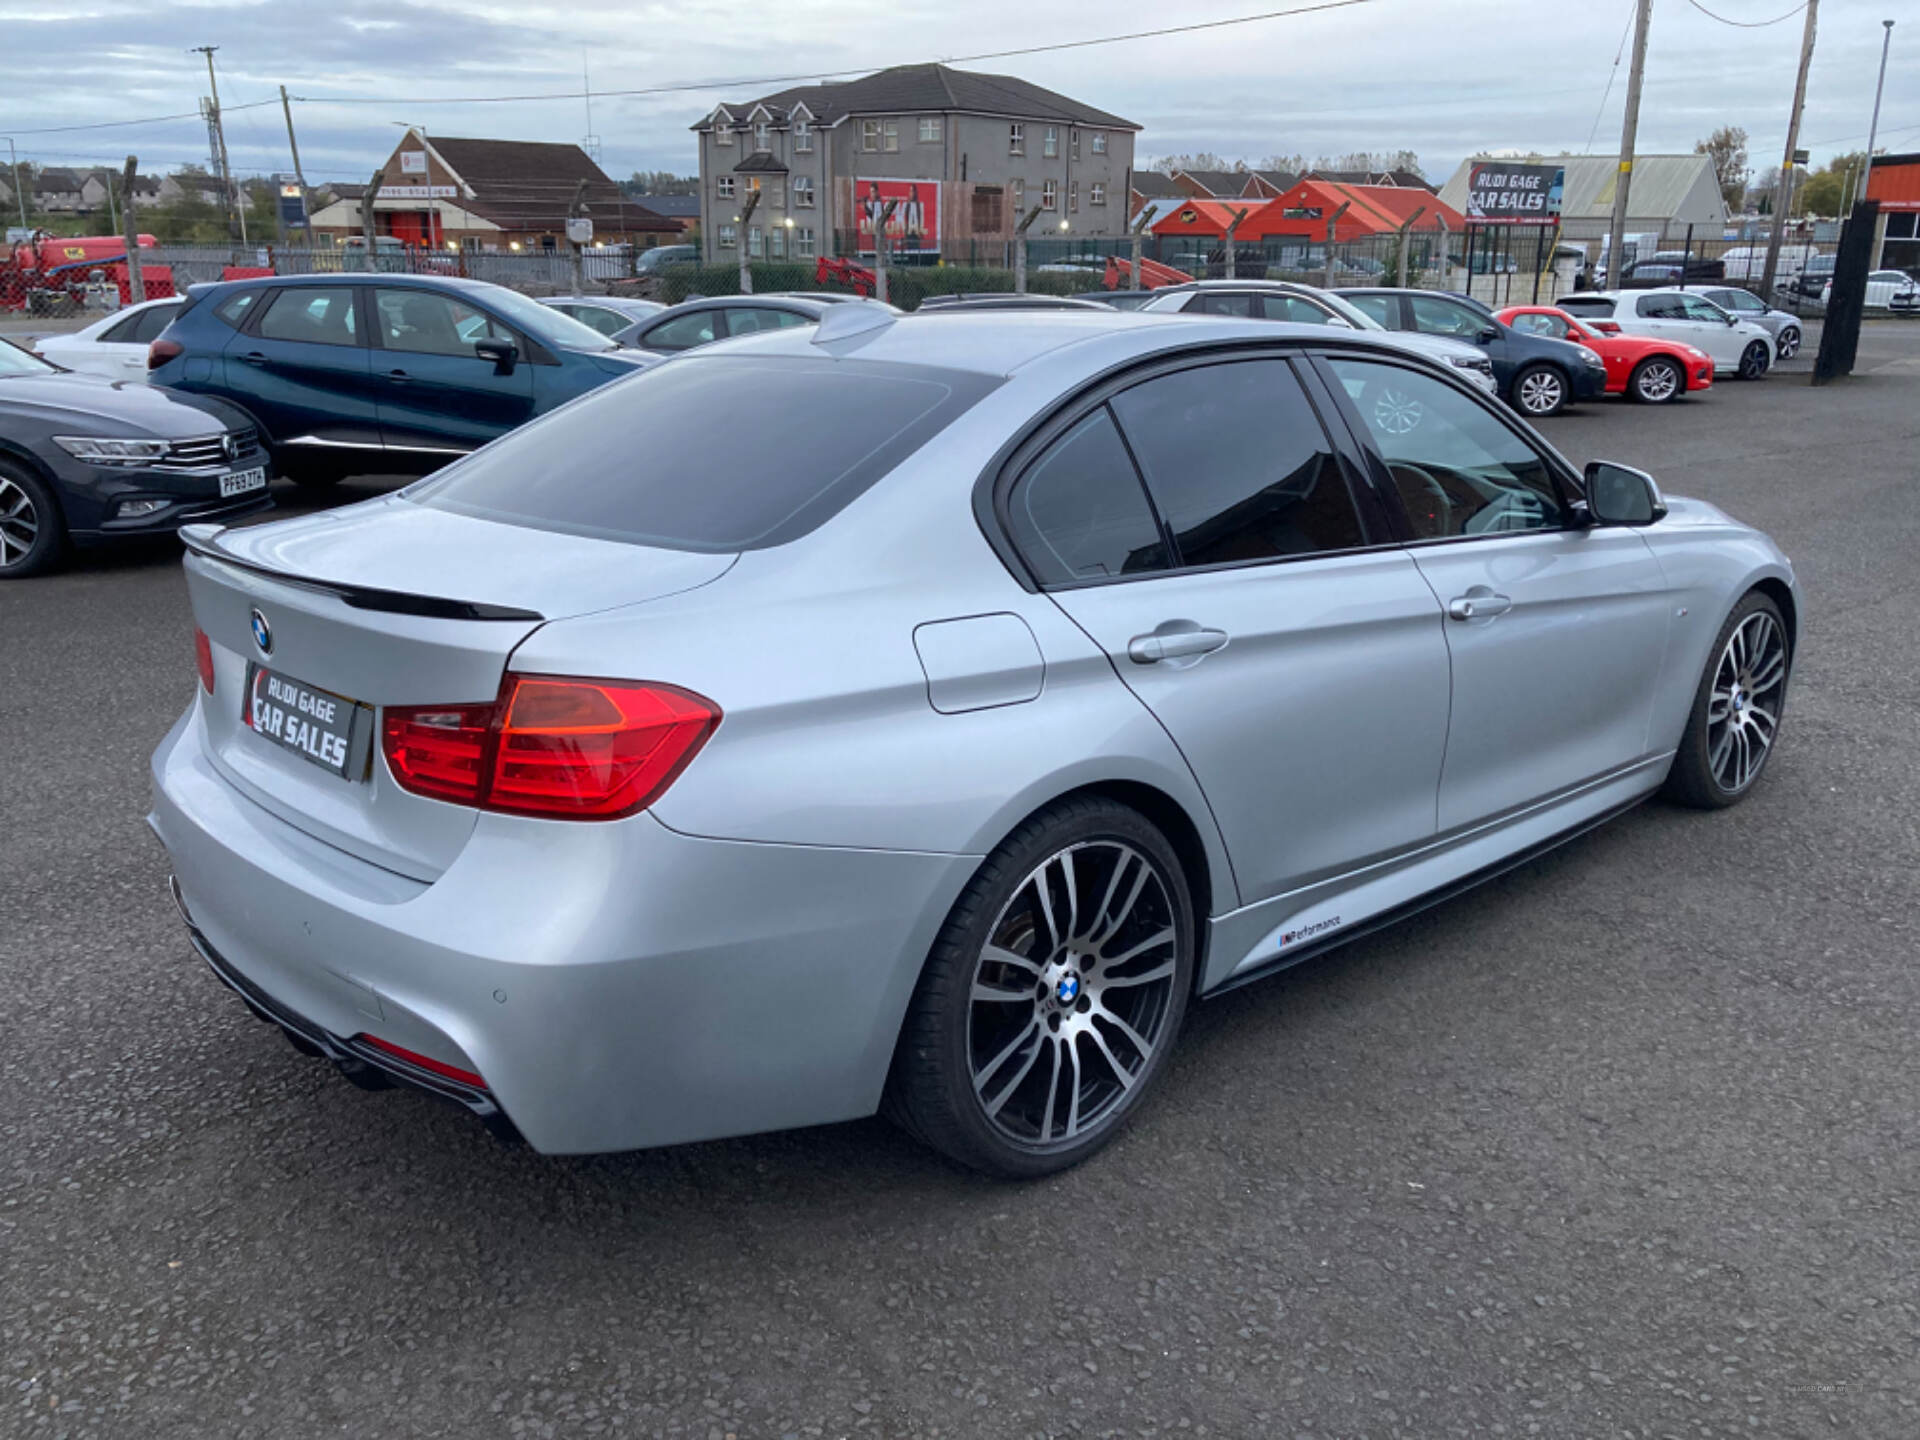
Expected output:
(914, 225)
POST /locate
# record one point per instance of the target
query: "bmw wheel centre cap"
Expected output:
(262, 632)
(1068, 990)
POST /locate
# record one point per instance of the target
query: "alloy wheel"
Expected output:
(1397, 413)
(1743, 708)
(1541, 392)
(1657, 381)
(19, 523)
(1072, 993)
(1753, 361)
(1789, 342)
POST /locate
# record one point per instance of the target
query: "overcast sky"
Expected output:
(1444, 78)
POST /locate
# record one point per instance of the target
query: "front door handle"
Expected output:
(399, 377)
(255, 357)
(1479, 603)
(1174, 645)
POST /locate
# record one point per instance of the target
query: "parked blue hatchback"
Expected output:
(392, 374)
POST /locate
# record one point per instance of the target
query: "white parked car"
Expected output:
(114, 345)
(1738, 347)
(1783, 325)
(1882, 286)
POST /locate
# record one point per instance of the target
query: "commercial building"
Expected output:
(963, 156)
(1895, 183)
(443, 192)
(1668, 194)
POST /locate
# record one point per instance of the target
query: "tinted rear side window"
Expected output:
(1079, 512)
(710, 453)
(1238, 463)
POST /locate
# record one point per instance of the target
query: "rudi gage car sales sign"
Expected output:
(1498, 193)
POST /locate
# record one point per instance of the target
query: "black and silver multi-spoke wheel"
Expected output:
(1539, 391)
(1656, 381)
(1754, 360)
(1053, 994)
(32, 533)
(1737, 710)
(1789, 342)
(1395, 412)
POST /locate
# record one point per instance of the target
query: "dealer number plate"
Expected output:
(241, 481)
(316, 725)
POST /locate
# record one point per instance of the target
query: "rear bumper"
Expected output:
(615, 986)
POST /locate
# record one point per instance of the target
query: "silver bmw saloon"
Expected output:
(917, 713)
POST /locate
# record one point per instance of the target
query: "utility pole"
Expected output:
(1020, 251)
(746, 267)
(578, 211)
(299, 175)
(136, 281)
(1138, 226)
(1783, 187)
(1873, 130)
(1629, 128)
(217, 143)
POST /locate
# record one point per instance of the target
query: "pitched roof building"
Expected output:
(448, 192)
(1667, 194)
(963, 156)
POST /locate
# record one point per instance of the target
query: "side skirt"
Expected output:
(1313, 928)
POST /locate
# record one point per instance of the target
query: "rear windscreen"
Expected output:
(709, 452)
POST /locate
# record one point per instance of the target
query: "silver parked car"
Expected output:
(1783, 325)
(930, 732)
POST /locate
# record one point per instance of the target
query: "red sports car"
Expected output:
(1647, 369)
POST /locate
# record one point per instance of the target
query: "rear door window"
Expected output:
(662, 458)
(1384, 308)
(1079, 512)
(683, 332)
(1237, 462)
(1206, 303)
(1292, 307)
(745, 320)
(312, 315)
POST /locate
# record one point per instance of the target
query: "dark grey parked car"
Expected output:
(85, 460)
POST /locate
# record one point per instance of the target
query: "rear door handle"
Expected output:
(1174, 645)
(399, 377)
(1479, 603)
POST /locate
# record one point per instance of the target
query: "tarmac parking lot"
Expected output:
(1620, 1145)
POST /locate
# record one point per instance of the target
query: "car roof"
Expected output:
(355, 277)
(799, 304)
(1004, 342)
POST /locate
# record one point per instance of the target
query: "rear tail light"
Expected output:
(203, 657)
(161, 351)
(563, 748)
(1607, 327)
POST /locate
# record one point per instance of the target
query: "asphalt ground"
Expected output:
(1620, 1145)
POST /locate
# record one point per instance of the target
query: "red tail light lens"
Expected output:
(563, 748)
(161, 351)
(203, 657)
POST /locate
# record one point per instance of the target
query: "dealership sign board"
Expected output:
(1502, 194)
(915, 222)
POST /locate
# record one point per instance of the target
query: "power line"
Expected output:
(1748, 24)
(743, 81)
(149, 120)
(1612, 75)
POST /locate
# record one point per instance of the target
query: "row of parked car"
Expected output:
(319, 377)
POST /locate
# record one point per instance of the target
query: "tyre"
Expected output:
(1052, 995)
(33, 530)
(309, 472)
(1736, 711)
(1788, 345)
(1539, 391)
(1754, 360)
(1656, 380)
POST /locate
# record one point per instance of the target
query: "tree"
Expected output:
(660, 182)
(1727, 149)
(1287, 164)
(1834, 187)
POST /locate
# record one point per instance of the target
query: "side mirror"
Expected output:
(503, 353)
(1487, 336)
(1621, 495)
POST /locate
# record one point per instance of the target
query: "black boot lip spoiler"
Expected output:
(204, 541)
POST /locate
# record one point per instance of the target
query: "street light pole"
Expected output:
(1873, 130)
